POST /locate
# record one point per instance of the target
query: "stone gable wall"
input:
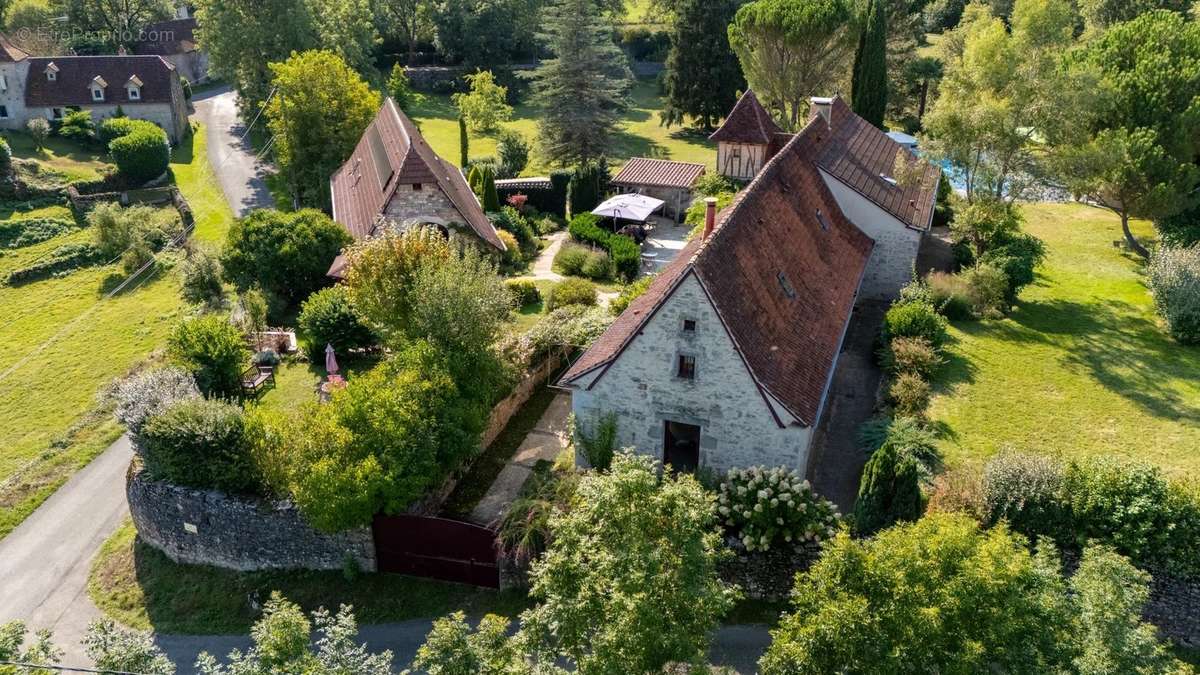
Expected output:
(427, 205)
(206, 527)
(737, 427)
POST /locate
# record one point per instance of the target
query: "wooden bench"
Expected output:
(256, 378)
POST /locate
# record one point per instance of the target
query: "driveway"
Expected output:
(241, 175)
(44, 563)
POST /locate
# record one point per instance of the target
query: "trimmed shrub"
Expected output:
(949, 295)
(143, 154)
(890, 491)
(570, 260)
(586, 186)
(571, 292)
(524, 292)
(114, 128)
(212, 350)
(909, 393)
(767, 507)
(914, 319)
(987, 286)
(556, 203)
(585, 228)
(328, 318)
(597, 266)
(626, 256)
(912, 355)
(199, 443)
(630, 293)
(78, 126)
(1175, 283)
(146, 394)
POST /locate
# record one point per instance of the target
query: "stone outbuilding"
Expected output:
(175, 41)
(746, 139)
(727, 359)
(394, 180)
(672, 182)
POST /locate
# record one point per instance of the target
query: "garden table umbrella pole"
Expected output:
(331, 364)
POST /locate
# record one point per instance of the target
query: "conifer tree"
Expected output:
(583, 89)
(703, 75)
(868, 87)
(890, 491)
(464, 143)
(490, 199)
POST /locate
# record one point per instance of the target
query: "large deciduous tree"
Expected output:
(791, 50)
(1100, 14)
(121, 21)
(319, 111)
(286, 254)
(485, 34)
(583, 88)
(405, 19)
(703, 76)
(1135, 153)
(869, 85)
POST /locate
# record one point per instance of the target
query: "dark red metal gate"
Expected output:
(436, 548)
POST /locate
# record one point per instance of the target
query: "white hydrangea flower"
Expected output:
(762, 494)
(758, 508)
(774, 502)
(778, 521)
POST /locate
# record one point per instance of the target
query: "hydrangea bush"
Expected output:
(768, 506)
(149, 393)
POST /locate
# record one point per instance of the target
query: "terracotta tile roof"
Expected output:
(10, 53)
(748, 122)
(782, 268)
(392, 152)
(164, 38)
(528, 183)
(859, 153)
(72, 85)
(658, 173)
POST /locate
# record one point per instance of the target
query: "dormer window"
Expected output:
(134, 88)
(51, 72)
(98, 85)
(134, 93)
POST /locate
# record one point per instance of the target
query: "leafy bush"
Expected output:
(626, 256)
(199, 443)
(286, 254)
(30, 231)
(39, 130)
(767, 507)
(571, 292)
(116, 229)
(1026, 491)
(909, 393)
(510, 220)
(78, 126)
(266, 357)
(585, 227)
(570, 260)
(114, 128)
(201, 278)
(1018, 255)
(695, 213)
(512, 250)
(143, 154)
(524, 292)
(62, 259)
(1120, 503)
(1175, 283)
(713, 184)
(524, 531)
(5, 158)
(573, 326)
(630, 293)
(141, 396)
(909, 436)
(212, 350)
(987, 287)
(548, 225)
(949, 295)
(597, 266)
(512, 153)
(914, 319)
(328, 318)
(912, 355)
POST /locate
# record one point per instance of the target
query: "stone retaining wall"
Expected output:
(767, 575)
(206, 527)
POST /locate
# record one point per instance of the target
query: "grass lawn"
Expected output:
(62, 345)
(1081, 367)
(296, 381)
(142, 588)
(63, 156)
(639, 136)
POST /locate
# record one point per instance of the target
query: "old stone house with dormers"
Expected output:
(727, 359)
(394, 180)
(142, 87)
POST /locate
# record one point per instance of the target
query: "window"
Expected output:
(56, 113)
(3, 82)
(97, 94)
(3, 112)
(786, 285)
(51, 75)
(689, 325)
(134, 94)
(416, 187)
(686, 368)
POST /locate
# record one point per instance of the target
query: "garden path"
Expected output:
(544, 442)
(543, 267)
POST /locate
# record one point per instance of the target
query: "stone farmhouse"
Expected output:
(143, 87)
(395, 180)
(175, 41)
(727, 359)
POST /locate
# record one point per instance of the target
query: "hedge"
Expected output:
(625, 253)
(142, 154)
(199, 443)
(116, 127)
(64, 258)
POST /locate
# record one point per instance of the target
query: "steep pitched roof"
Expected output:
(75, 75)
(392, 152)
(164, 38)
(658, 173)
(782, 268)
(10, 53)
(860, 155)
(748, 122)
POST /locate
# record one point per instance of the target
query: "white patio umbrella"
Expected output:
(629, 207)
(331, 364)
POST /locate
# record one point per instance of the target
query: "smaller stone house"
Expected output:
(395, 180)
(175, 41)
(672, 182)
(143, 87)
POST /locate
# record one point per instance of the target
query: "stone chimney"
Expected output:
(710, 215)
(823, 105)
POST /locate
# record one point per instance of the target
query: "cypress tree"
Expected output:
(584, 192)
(703, 76)
(868, 87)
(475, 180)
(464, 142)
(490, 199)
(890, 491)
(583, 89)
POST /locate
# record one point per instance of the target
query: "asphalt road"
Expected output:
(241, 175)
